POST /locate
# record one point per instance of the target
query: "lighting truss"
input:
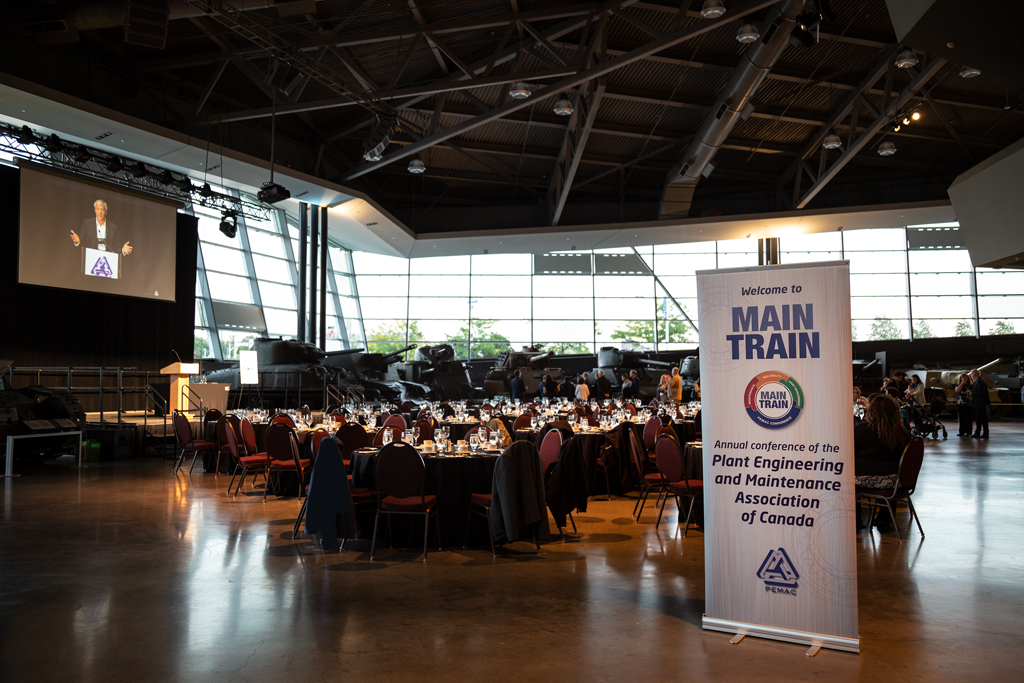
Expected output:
(24, 143)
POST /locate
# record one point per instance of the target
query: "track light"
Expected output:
(712, 9)
(519, 91)
(808, 20)
(969, 72)
(54, 144)
(907, 59)
(26, 136)
(916, 116)
(138, 171)
(563, 107)
(83, 155)
(185, 184)
(166, 178)
(229, 223)
(886, 149)
(748, 33)
(416, 165)
(832, 141)
(115, 165)
(906, 120)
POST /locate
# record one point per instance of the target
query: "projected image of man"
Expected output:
(100, 233)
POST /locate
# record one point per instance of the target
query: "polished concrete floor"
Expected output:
(124, 572)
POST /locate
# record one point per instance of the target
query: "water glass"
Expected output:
(494, 438)
(386, 439)
(474, 441)
(409, 436)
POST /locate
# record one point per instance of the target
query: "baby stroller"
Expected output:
(923, 423)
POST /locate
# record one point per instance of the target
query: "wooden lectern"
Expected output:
(179, 373)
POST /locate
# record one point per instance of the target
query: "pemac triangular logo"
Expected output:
(102, 268)
(778, 570)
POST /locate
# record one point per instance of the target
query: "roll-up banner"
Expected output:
(776, 403)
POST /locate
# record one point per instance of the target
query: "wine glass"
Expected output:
(416, 434)
(494, 438)
(474, 441)
(386, 439)
(572, 419)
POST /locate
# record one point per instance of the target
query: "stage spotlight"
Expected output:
(916, 115)
(229, 224)
(54, 144)
(83, 155)
(26, 136)
(166, 178)
(138, 171)
(185, 184)
(115, 165)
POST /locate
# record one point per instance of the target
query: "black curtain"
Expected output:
(44, 326)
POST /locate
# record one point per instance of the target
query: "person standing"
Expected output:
(964, 409)
(517, 387)
(100, 233)
(915, 390)
(980, 402)
(582, 390)
(627, 387)
(634, 384)
(548, 388)
(675, 387)
(604, 386)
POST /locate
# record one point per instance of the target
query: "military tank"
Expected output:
(377, 374)
(436, 367)
(943, 382)
(617, 363)
(531, 361)
(287, 370)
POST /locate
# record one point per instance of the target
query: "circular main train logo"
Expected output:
(773, 399)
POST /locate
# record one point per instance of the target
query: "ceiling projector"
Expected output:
(272, 193)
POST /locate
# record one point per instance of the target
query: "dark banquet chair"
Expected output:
(906, 484)
(283, 449)
(252, 460)
(673, 474)
(185, 442)
(400, 473)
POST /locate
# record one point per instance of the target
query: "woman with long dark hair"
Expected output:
(964, 409)
(878, 444)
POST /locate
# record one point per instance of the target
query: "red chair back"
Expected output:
(665, 430)
(231, 444)
(423, 415)
(550, 447)
(400, 470)
(524, 421)
(591, 420)
(282, 419)
(248, 437)
(396, 435)
(670, 458)
(629, 408)
(278, 442)
(654, 403)
(395, 420)
(182, 428)
(651, 432)
(910, 466)
(636, 454)
(318, 436)
(426, 431)
(353, 437)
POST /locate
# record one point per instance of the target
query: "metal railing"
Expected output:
(188, 398)
(72, 375)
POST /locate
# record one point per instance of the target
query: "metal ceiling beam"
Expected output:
(582, 76)
(575, 142)
(335, 102)
(372, 37)
(905, 96)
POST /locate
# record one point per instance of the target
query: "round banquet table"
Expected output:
(457, 431)
(686, 430)
(451, 479)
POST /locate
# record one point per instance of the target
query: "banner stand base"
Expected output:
(815, 641)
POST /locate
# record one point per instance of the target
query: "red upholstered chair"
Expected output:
(651, 433)
(332, 408)
(549, 449)
(183, 436)
(673, 476)
(424, 414)
(337, 417)
(591, 419)
(400, 473)
(480, 505)
(395, 420)
(353, 437)
(318, 436)
(283, 449)
(426, 431)
(482, 432)
(654, 403)
(665, 430)
(447, 410)
(406, 407)
(250, 459)
(396, 435)
(906, 484)
(649, 481)
(282, 419)
(359, 497)
(524, 421)
(305, 412)
(629, 408)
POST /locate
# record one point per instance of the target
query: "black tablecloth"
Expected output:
(693, 460)
(686, 430)
(452, 480)
(457, 431)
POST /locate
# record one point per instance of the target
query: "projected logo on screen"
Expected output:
(102, 268)
(778, 573)
(773, 399)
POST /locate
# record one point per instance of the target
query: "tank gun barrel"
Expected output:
(541, 358)
(986, 366)
(394, 356)
(346, 352)
(647, 362)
